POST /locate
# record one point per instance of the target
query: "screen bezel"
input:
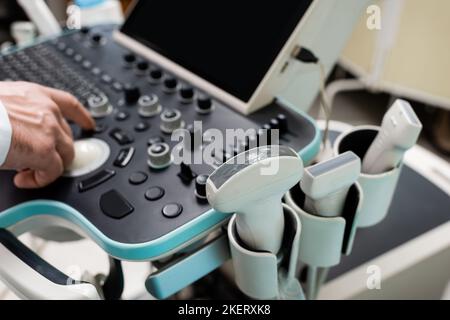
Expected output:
(264, 93)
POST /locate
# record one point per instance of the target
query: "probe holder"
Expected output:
(378, 189)
(325, 239)
(264, 275)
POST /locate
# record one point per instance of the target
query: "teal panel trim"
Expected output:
(179, 275)
(140, 251)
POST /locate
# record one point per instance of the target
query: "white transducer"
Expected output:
(399, 131)
(252, 185)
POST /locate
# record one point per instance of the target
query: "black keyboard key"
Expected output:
(95, 180)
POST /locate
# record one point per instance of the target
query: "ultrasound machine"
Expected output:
(170, 64)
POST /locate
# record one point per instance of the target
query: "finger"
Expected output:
(32, 179)
(65, 126)
(56, 110)
(64, 141)
(71, 108)
(25, 180)
(65, 148)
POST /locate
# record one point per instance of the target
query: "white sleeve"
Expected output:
(5, 134)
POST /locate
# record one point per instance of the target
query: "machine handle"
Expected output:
(184, 271)
(31, 277)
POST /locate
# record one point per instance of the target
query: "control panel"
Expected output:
(131, 190)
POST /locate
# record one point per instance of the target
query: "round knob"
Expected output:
(132, 94)
(99, 106)
(149, 106)
(142, 67)
(129, 59)
(155, 76)
(200, 186)
(171, 120)
(159, 156)
(170, 85)
(186, 94)
(204, 104)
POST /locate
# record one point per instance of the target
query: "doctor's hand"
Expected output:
(42, 141)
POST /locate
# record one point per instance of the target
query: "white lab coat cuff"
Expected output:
(5, 134)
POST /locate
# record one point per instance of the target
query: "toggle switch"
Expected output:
(186, 174)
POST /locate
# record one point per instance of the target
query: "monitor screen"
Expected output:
(231, 44)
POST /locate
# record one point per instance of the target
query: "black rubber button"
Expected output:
(96, 71)
(124, 157)
(87, 64)
(117, 86)
(156, 74)
(70, 52)
(186, 92)
(114, 205)
(200, 186)
(121, 136)
(100, 127)
(172, 210)
(78, 58)
(107, 78)
(138, 178)
(171, 83)
(95, 180)
(141, 126)
(122, 115)
(155, 140)
(154, 193)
